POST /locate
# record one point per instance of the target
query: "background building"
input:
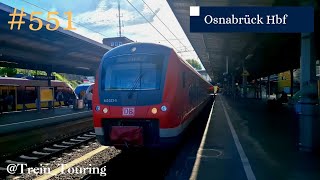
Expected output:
(116, 41)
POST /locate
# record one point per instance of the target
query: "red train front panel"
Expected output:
(142, 96)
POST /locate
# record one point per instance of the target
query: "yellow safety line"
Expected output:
(72, 163)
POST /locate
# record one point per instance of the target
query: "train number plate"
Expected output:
(128, 111)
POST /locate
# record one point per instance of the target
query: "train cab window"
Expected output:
(138, 72)
(183, 79)
(30, 94)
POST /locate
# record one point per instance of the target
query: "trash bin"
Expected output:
(80, 103)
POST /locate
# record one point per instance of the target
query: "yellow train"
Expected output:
(284, 82)
(24, 92)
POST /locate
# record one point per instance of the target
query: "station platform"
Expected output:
(19, 121)
(23, 130)
(244, 140)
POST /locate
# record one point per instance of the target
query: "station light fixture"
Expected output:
(105, 110)
(249, 56)
(85, 68)
(164, 108)
(154, 110)
(7, 62)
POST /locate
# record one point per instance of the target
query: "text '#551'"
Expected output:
(17, 19)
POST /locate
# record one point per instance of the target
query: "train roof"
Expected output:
(85, 84)
(13, 79)
(138, 48)
(16, 85)
(24, 79)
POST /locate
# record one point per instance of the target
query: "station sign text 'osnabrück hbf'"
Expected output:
(252, 19)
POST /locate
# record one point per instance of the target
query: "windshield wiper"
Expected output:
(135, 85)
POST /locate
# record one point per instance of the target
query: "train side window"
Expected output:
(183, 79)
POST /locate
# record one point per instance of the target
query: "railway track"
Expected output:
(157, 163)
(39, 154)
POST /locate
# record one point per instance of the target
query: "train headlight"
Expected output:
(164, 108)
(105, 110)
(154, 110)
(97, 108)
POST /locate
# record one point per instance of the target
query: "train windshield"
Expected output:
(133, 72)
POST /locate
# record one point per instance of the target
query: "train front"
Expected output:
(128, 94)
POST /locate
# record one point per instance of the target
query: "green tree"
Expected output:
(195, 64)
(60, 77)
(34, 72)
(7, 71)
(28, 72)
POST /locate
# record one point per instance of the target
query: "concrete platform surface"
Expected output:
(18, 121)
(244, 140)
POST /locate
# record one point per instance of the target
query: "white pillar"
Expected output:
(306, 106)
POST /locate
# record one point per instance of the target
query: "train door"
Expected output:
(9, 92)
(30, 95)
(13, 91)
(60, 100)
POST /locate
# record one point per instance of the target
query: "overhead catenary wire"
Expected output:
(176, 38)
(186, 49)
(152, 25)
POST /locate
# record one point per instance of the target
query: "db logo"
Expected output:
(128, 111)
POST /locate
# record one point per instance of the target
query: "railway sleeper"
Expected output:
(60, 146)
(28, 157)
(15, 162)
(76, 140)
(68, 143)
(89, 135)
(40, 153)
(83, 138)
(51, 149)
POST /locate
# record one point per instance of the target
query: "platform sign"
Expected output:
(39, 77)
(245, 73)
(128, 111)
(46, 94)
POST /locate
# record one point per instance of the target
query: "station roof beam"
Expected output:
(60, 51)
(262, 53)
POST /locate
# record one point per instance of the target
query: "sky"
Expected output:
(98, 19)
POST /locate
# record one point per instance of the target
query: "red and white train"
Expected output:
(145, 95)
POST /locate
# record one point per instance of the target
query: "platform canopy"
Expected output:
(59, 51)
(262, 54)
